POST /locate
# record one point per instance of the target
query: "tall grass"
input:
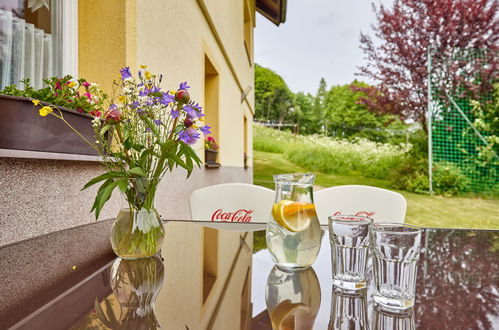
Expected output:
(328, 155)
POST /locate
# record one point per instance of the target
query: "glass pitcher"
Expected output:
(293, 232)
(293, 298)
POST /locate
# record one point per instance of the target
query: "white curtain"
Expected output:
(17, 62)
(5, 47)
(25, 52)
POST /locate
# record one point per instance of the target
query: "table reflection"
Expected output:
(348, 310)
(293, 298)
(135, 285)
(396, 320)
(211, 279)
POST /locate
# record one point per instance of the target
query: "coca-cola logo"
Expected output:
(240, 215)
(366, 214)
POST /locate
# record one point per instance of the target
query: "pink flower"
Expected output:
(58, 85)
(113, 116)
(182, 96)
(88, 95)
(95, 113)
(80, 110)
(86, 84)
(210, 138)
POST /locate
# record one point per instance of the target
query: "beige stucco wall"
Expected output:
(175, 43)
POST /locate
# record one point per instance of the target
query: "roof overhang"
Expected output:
(273, 10)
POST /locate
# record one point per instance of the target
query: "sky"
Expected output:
(319, 39)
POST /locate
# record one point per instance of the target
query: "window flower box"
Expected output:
(21, 128)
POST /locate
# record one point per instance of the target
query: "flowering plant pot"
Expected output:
(210, 156)
(20, 129)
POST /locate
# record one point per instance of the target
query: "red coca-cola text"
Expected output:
(240, 215)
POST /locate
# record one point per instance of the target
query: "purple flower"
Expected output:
(188, 136)
(206, 129)
(158, 122)
(135, 105)
(191, 113)
(166, 99)
(144, 92)
(174, 113)
(125, 73)
(197, 107)
(113, 106)
(184, 86)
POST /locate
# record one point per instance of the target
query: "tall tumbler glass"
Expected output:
(395, 249)
(349, 238)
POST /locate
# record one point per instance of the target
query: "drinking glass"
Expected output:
(395, 249)
(349, 310)
(349, 238)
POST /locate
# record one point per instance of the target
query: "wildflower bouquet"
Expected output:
(153, 131)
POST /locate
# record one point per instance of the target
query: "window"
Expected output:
(37, 40)
(210, 260)
(211, 92)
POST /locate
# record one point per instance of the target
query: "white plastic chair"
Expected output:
(243, 203)
(376, 203)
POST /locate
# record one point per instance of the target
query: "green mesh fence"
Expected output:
(459, 143)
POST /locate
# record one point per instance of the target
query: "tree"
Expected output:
(303, 105)
(398, 63)
(347, 118)
(273, 99)
(319, 114)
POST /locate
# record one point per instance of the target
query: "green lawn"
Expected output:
(422, 210)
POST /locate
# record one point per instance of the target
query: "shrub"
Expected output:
(449, 180)
(411, 173)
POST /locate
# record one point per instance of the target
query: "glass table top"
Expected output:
(214, 279)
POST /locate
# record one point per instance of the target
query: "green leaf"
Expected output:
(100, 192)
(106, 194)
(104, 129)
(122, 184)
(105, 176)
(137, 171)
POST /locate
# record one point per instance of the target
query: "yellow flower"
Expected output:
(148, 75)
(45, 111)
(201, 119)
(143, 66)
(35, 102)
(172, 92)
(72, 84)
(122, 99)
(194, 126)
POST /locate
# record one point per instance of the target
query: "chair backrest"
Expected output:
(233, 202)
(379, 204)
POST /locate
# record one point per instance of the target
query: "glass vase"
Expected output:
(138, 231)
(294, 233)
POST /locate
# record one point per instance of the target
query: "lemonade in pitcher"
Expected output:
(294, 233)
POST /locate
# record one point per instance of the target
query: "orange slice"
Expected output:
(286, 315)
(294, 216)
